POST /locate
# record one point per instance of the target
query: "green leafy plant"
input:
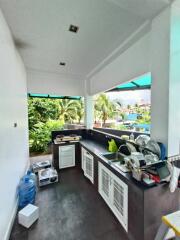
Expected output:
(46, 115)
(40, 135)
(80, 110)
(104, 107)
(41, 110)
(68, 110)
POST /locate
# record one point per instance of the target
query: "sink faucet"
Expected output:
(118, 151)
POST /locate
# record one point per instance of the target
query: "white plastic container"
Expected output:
(131, 137)
(28, 215)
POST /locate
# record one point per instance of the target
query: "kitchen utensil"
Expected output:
(137, 159)
(124, 150)
(142, 140)
(112, 146)
(137, 174)
(125, 137)
(131, 147)
(151, 158)
(153, 146)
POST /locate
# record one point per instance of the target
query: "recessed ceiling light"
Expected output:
(73, 28)
(62, 63)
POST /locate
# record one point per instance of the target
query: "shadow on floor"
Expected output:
(71, 210)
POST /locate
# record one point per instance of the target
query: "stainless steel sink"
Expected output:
(116, 159)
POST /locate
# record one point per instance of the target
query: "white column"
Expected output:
(89, 111)
(165, 69)
(160, 43)
(174, 86)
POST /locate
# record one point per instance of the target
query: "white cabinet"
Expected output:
(119, 200)
(87, 164)
(115, 193)
(66, 156)
(104, 178)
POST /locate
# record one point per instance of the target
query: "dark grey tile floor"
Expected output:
(71, 210)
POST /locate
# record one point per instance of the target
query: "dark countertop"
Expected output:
(94, 147)
(98, 149)
(96, 143)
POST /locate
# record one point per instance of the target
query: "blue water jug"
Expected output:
(27, 191)
(32, 176)
(163, 151)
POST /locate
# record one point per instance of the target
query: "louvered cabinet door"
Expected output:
(89, 166)
(119, 200)
(104, 176)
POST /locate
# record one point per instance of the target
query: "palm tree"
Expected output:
(79, 110)
(137, 108)
(104, 107)
(68, 110)
(128, 106)
(119, 104)
(119, 109)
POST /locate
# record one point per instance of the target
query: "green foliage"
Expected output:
(71, 110)
(41, 110)
(80, 110)
(121, 127)
(40, 135)
(104, 107)
(145, 115)
(128, 106)
(46, 115)
(145, 118)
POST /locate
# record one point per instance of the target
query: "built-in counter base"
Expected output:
(55, 157)
(146, 205)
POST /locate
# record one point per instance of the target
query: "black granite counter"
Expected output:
(98, 150)
(94, 147)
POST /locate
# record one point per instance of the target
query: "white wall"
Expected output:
(157, 52)
(174, 86)
(165, 59)
(160, 50)
(52, 83)
(14, 141)
(130, 64)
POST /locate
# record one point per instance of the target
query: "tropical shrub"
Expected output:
(46, 115)
(40, 135)
(41, 110)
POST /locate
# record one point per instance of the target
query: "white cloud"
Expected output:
(131, 97)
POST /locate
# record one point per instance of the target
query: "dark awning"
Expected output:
(53, 96)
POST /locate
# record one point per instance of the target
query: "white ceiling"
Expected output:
(40, 29)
